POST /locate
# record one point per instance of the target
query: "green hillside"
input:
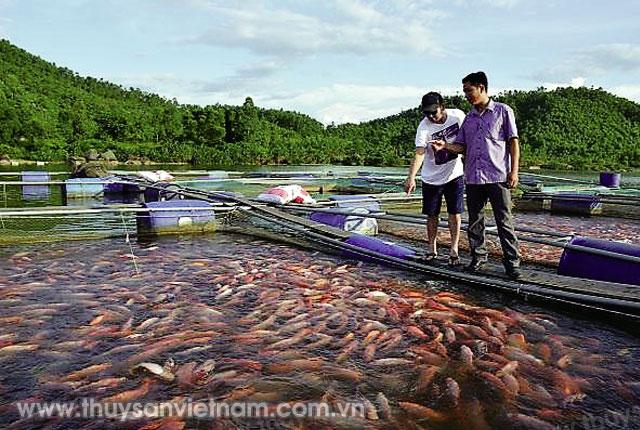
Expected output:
(49, 113)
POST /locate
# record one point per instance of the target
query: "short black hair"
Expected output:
(477, 78)
(432, 97)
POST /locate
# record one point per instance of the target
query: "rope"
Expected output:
(128, 242)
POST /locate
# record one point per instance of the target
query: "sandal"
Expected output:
(454, 261)
(429, 257)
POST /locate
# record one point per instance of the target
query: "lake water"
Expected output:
(233, 318)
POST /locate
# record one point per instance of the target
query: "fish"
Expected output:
(342, 373)
(466, 355)
(392, 361)
(129, 395)
(452, 392)
(422, 412)
(511, 383)
(517, 354)
(426, 375)
(347, 351)
(369, 352)
(416, 332)
(384, 406)
(370, 337)
(507, 369)
(87, 371)
(13, 349)
(310, 365)
(530, 422)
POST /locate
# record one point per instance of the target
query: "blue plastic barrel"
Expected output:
(610, 179)
(176, 216)
(378, 245)
(368, 202)
(576, 203)
(332, 219)
(580, 264)
(35, 192)
(83, 187)
(356, 221)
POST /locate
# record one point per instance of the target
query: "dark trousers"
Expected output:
(500, 198)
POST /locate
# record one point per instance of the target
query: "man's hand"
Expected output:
(437, 145)
(409, 185)
(512, 180)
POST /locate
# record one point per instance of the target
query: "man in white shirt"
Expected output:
(442, 172)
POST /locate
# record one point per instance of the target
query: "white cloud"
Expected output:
(620, 56)
(245, 78)
(597, 60)
(576, 82)
(3, 30)
(631, 92)
(340, 103)
(499, 4)
(351, 27)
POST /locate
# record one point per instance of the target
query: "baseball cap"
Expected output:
(430, 102)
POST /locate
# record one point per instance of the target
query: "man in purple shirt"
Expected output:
(489, 139)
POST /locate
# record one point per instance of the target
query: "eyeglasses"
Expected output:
(430, 113)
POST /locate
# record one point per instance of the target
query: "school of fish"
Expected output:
(238, 320)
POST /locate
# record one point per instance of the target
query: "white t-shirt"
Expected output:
(438, 174)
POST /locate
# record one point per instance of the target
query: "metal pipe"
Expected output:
(614, 200)
(35, 213)
(577, 181)
(523, 229)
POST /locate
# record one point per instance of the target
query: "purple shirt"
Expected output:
(485, 137)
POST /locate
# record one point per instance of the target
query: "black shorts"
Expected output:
(453, 192)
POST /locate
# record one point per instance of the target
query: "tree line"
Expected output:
(50, 113)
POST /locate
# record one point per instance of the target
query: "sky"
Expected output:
(335, 60)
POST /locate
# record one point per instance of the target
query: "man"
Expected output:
(489, 138)
(441, 173)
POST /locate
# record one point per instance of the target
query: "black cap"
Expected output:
(430, 102)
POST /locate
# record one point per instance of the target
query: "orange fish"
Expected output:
(127, 396)
(422, 412)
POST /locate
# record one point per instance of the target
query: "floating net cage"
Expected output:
(45, 220)
(51, 225)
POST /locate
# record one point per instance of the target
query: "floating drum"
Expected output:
(176, 216)
(35, 192)
(83, 187)
(354, 223)
(162, 191)
(377, 245)
(610, 179)
(576, 204)
(581, 264)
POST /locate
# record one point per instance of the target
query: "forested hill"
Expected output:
(50, 113)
